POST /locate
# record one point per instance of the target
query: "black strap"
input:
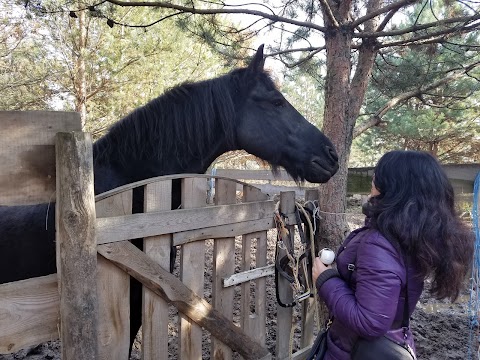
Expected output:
(282, 264)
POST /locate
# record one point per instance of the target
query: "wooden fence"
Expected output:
(269, 183)
(461, 176)
(86, 304)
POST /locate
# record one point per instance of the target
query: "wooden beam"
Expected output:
(223, 231)
(76, 247)
(165, 222)
(112, 285)
(192, 265)
(157, 196)
(285, 292)
(248, 275)
(228, 230)
(300, 354)
(29, 313)
(281, 175)
(27, 154)
(127, 257)
(223, 264)
(162, 178)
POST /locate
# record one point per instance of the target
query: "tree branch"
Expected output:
(463, 19)
(377, 117)
(436, 37)
(385, 21)
(193, 10)
(371, 15)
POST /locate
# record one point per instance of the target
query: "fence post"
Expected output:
(76, 246)
(308, 305)
(284, 315)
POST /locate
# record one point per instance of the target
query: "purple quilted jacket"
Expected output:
(367, 299)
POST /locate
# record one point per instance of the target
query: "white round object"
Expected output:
(326, 255)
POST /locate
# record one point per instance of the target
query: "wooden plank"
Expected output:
(155, 310)
(261, 289)
(248, 275)
(27, 154)
(164, 222)
(223, 265)
(192, 263)
(245, 291)
(236, 229)
(284, 315)
(308, 305)
(162, 178)
(113, 287)
(127, 257)
(256, 321)
(76, 246)
(271, 190)
(300, 354)
(29, 313)
(224, 231)
(281, 175)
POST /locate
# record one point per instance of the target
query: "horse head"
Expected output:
(269, 127)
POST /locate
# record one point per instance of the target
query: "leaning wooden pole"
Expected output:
(76, 246)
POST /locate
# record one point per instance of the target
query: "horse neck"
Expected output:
(116, 166)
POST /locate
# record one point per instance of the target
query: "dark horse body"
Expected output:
(183, 131)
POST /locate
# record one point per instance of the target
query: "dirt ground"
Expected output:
(441, 329)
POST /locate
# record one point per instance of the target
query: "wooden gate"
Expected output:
(227, 316)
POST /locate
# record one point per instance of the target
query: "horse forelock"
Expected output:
(183, 122)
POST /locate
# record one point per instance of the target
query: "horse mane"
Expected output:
(182, 122)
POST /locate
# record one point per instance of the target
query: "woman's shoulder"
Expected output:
(373, 241)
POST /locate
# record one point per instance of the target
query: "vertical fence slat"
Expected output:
(155, 309)
(76, 246)
(245, 287)
(284, 315)
(255, 323)
(112, 285)
(261, 290)
(223, 265)
(192, 263)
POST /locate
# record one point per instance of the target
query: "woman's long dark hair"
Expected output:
(416, 209)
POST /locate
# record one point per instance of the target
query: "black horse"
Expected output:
(182, 131)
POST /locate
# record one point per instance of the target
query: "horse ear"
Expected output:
(258, 61)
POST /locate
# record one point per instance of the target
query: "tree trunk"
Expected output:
(80, 76)
(344, 97)
(333, 194)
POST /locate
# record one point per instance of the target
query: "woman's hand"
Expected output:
(318, 268)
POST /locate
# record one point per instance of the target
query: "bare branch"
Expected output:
(376, 118)
(385, 21)
(193, 10)
(371, 15)
(463, 19)
(306, 58)
(436, 37)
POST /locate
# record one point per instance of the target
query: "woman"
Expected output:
(412, 232)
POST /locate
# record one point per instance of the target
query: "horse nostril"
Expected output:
(333, 154)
